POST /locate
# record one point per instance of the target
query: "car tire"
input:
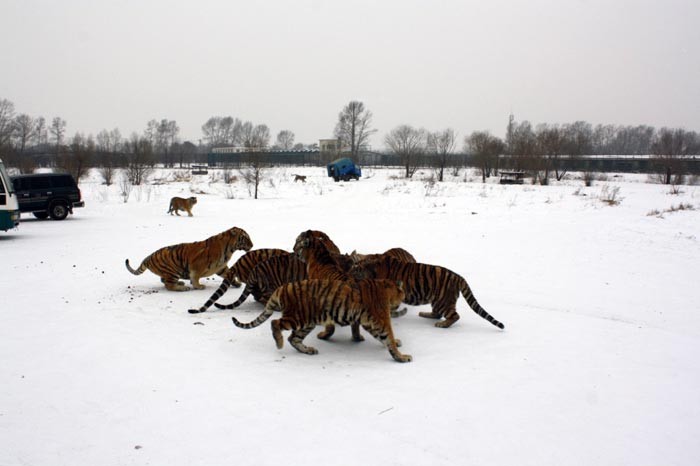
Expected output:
(41, 215)
(58, 210)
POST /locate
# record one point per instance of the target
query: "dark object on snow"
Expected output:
(515, 177)
(343, 169)
(47, 194)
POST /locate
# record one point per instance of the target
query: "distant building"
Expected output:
(330, 146)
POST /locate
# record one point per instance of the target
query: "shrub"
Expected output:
(609, 195)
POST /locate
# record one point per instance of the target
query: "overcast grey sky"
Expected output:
(294, 64)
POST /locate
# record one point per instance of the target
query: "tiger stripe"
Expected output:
(243, 269)
(194, 260)
(311, 247)
(238, 273)
(308, 303)
(427, 284)
(267, 276)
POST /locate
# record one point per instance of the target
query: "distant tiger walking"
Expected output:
(178, 203)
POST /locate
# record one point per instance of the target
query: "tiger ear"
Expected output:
(399, 283)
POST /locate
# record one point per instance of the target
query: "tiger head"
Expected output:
(313, 238)
(192, 201)
(364, 270)
(356, 257)
(238, 239)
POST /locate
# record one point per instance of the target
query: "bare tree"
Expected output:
(184, 153)
(107, 149)
(441, 144)
(253, 174)
(669, 146)
(7, 123)
(522, 145)
(139, 153)
(408, 143)
(165, 136)
(222, 131)
(260, 137)
(550, 146)
(354, 127)
(150, 133)
(58, 130)
(246, 139)
(285, 139)
(25, 128)
(41, 136)
(77, 160)
(24, 131)
(485, 148)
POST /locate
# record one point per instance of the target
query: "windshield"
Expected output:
(5, 179)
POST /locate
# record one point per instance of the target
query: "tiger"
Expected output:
(266, 277)
(178, 203)
(240, 270)
(397, 253)
(426, 284)
(301, 178)
(194, 260)
(311, 248)
(308, 303)
(319, 236)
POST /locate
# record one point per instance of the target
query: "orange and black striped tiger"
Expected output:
(308, 303)
(265, 278)
(321, 265)
(178, 203)
(397, 253)
(194, 260)
(320, 237)
(239, 271)
(426, 284)
(269, 275)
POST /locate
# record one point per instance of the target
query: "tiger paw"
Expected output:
(444, 323)
(429, 315)
(404, 358)
(358, 338)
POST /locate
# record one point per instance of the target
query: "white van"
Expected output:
(9, 207)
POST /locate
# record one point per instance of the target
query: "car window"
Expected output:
(62, 182)
(39, 183)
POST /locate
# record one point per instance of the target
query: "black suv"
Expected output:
(47, 194)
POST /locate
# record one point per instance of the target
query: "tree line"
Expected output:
(26, 141)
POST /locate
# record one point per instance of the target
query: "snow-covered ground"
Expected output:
(598, 363)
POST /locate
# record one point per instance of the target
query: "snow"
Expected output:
(597, 363)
